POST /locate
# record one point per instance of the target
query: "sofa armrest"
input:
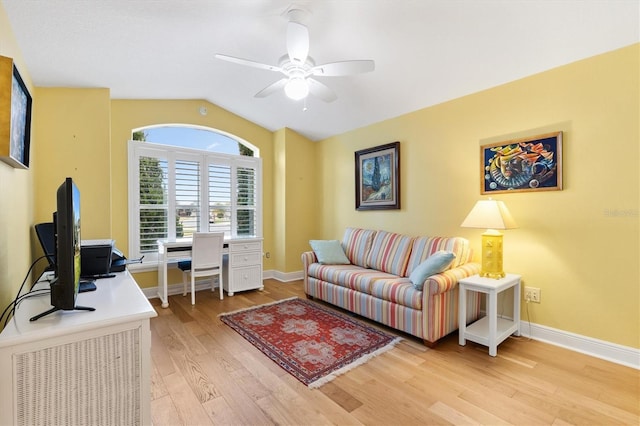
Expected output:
(447, 280)
(308, 257)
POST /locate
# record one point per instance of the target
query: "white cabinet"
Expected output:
(244, 269)
(79, 367)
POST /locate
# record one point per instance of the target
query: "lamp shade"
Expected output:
(489, 214)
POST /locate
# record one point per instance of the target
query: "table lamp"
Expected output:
(490, 215)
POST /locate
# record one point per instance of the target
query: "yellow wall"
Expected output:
(279, 199)
(16, 196)
(579, 245)
(73, 129)
(296, 194)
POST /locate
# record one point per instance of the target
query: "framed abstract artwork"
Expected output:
(15, 116)
(378, 177)
(518, 165)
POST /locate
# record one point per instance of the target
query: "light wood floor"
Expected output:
(204, 373)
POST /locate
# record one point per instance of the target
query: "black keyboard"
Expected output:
(87, 286)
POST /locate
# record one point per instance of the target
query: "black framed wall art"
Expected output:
(378, 177)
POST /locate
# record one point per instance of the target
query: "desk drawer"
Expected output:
(246, 259)
(247, 278)
(245, 246)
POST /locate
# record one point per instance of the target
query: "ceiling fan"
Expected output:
(298, 67)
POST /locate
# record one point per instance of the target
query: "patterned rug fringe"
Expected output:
(256, 306)
(326, 379)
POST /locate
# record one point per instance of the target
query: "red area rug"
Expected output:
(313, 343)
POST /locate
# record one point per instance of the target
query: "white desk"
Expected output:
(489, 330)
(242, 269)
(74, 367)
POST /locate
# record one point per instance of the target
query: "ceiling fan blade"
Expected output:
(344, 68)
(274, 87)
(297, 42)
(321, 91)
(247, 62)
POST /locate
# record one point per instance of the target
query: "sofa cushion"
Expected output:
(329, 252)
(379, 284)
(434, 264)
(349, 276)
(390, 253)
(397, 290)
(423, 247)
(356, 243)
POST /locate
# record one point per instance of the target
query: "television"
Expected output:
(66, 281)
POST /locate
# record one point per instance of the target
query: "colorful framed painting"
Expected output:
(15, 116)
(378, 177)
(518, 165)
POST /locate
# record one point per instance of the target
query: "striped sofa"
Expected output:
(376, 284)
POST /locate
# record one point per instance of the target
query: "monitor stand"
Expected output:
(52, 310)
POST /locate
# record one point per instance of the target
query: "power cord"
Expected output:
(528, 301)
(10, 309)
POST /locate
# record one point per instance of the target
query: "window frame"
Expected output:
(171, 154)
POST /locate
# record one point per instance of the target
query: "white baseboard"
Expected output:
(613, 352)
(284, 277)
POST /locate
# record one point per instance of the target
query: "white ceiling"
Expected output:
(426, 51)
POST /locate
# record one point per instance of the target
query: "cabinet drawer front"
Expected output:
(246, 259)
(248, 246)
(247, 278)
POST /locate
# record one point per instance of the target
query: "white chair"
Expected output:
(206, 260)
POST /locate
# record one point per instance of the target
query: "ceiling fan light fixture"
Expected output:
(296, 88)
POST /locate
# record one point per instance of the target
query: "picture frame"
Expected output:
(378, 177)
(15, 116)
(529, 164)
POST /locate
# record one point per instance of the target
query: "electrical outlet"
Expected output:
(532, 294)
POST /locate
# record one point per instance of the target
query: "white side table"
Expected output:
(489, 330)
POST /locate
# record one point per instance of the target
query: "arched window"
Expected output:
(195, 137)
(186, 179)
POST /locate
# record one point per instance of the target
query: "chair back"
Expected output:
(206, 252)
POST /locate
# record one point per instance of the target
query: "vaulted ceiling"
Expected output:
(425, 51)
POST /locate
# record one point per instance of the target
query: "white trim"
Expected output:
(269, 274)
(613, 352)
(286, 276)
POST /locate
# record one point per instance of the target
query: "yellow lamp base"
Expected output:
(492, 255)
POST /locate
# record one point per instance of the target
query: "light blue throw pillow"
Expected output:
(329, 252)
(434, 264)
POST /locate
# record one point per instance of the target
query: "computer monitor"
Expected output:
(66, 283)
